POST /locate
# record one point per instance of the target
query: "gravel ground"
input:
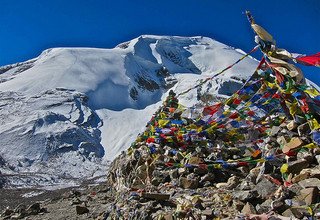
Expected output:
(13, 197)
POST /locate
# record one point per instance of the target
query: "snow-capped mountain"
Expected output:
(68, 112)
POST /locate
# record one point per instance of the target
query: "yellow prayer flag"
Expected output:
(314, 125)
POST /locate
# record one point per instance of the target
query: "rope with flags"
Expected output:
(220, 72)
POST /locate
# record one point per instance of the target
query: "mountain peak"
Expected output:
(88, 104)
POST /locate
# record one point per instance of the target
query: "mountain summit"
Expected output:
(69, 111)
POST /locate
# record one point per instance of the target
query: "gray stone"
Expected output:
(81, 210)
(245, 195)
(174, 173)
(246, 185)
(304, 129)
(295, 167)
(208, 213)
(295, 212)
(34, 209)
(265, 188)
(311, 182)
(295, 189)
(264, 207)
(274, 130)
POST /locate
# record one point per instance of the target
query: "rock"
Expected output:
(174, 174)
(81, 210)
(233, 182)
(304, 129)
(300, 176)
(295, 189)
(222, 185)
(245, 195)
(265, 187)
(74, 193)
(34, 209)
(295, 212)
(306, 155)
(200, 171)
(248, 209)
(264, 207)
(7, 212)
(307, 173)
(141, 172)
(208, 213)
(208, 177)
(278, 206)
(311, 182)
(238, 204)
(274, 130)
(309, 195)
(168, 217)
(156, 196)
(293, 144)
(318, 159)
(296, 166)
(76, 201)
(189, 182)
(292, 125)
(195, 160)
(21, 208)
(246, 185)
(182, 171)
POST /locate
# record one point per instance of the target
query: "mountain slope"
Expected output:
(71, 110)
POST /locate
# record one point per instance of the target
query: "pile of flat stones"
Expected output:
(285, 187)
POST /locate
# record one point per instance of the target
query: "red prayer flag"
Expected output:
(250, 113)
(237, 101)
(234, 115)
(276, 96)
(311, 60)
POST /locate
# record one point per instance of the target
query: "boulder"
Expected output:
(81, 210)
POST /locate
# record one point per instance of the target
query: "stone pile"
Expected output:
(176, 171)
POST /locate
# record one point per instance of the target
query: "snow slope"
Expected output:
(69, 111)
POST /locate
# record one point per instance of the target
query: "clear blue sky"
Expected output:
(30, 26)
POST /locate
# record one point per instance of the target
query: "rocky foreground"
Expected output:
(172, 172)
